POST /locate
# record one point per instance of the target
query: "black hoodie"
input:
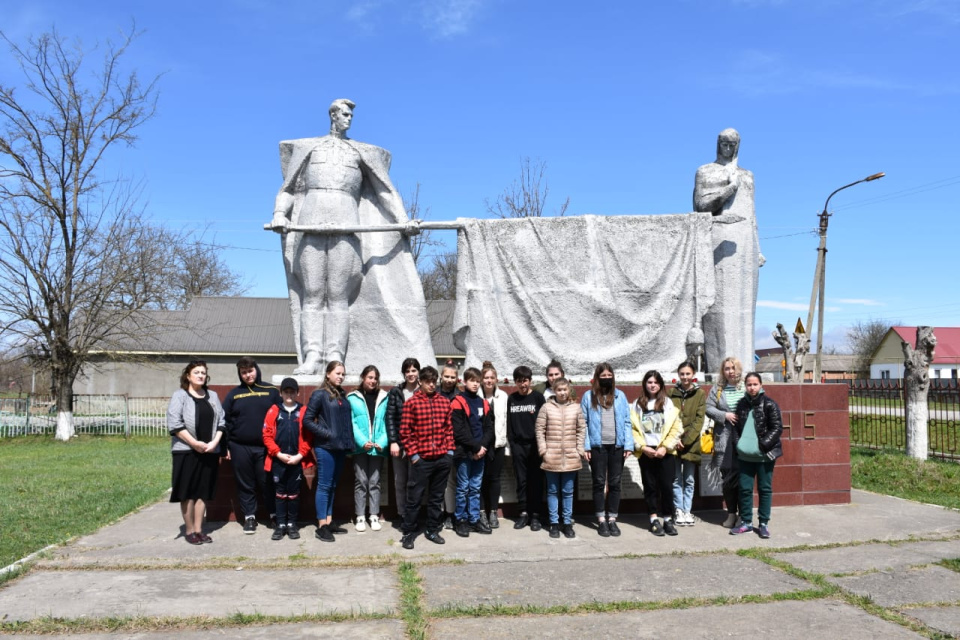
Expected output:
(245, 408)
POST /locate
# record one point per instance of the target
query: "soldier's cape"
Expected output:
(388, 319)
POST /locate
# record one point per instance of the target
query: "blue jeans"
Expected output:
(469, 480)
(683, 483)
(560, 483)
(329, 466)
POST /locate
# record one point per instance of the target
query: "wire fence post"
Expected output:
(126, 416)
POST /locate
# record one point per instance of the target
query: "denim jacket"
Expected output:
(621, 416)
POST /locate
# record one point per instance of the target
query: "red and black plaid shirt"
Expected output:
(425, 427)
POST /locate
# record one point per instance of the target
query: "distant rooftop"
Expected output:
(259, 326)
(947, 350)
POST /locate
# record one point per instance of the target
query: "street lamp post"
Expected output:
(820, 275)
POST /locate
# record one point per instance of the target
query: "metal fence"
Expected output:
(877, 416)
(92, 414)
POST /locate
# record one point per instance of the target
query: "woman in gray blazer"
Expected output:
(195, 422)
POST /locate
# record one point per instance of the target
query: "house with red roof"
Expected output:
(887, 360)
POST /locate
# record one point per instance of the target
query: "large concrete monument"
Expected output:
(356, 298)
(725, 189)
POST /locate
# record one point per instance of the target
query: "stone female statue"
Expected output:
(725, 189)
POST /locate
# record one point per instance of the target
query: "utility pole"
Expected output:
(820, 276)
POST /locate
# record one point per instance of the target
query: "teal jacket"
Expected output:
(365, 430)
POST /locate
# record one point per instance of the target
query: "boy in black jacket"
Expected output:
(473, 435)
(523, 405)
(245, 409)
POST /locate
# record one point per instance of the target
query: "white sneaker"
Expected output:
(691, 519)
(361, 525)
(375, 523)
(679, 519)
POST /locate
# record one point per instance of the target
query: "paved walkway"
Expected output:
(864, 570)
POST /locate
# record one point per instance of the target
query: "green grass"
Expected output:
(952, 563)
(895, 474)
(411, 600)
(53, 491)
(889, 432)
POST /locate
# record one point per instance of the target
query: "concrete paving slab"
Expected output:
(869, 557)
(946, 620)
(573, 582)
(799, 620)
(361, 630)
(151, 537)
(909, 586)
(215, 593)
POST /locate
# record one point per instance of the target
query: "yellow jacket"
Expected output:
(672, 427)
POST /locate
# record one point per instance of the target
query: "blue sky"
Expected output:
(622, 101)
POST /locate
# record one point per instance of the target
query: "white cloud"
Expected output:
(947, 10)
(441, 18)
(448, 18)
(789, 306)
(771, 74)
(861, 301)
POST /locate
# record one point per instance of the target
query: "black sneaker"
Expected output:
(448, 523)
(407, 540)
(613, 528)
(568, 531)
(481, 527)
(277, 534)
(483, 518)
(656, 528)
(325, 534)
(462, 529)
(336, 528)
(668, 528)
(522, 521)
(273, 521)
(535, 523)
(250, 525)
(494, 520)
(434, 537)
(292, 532)
(603, 529)
(554, 530)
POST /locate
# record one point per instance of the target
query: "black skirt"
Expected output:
(194, 476)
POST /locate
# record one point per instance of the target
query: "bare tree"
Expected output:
(16, 372)
(422, 241)
(526, 197)
(166, 268)
(440, 279)
(916, 379)
(793, 358)
(201, 271)
(864, 338)
(65, 229)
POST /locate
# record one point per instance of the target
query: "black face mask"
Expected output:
(606, 384)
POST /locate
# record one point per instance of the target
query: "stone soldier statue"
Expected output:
(725, 189)
(339, 282)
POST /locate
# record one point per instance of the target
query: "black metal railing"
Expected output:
(877, 416)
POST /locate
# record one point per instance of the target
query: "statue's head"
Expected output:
(341, 114)
(728, 144)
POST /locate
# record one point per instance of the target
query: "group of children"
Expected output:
(448, 443)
